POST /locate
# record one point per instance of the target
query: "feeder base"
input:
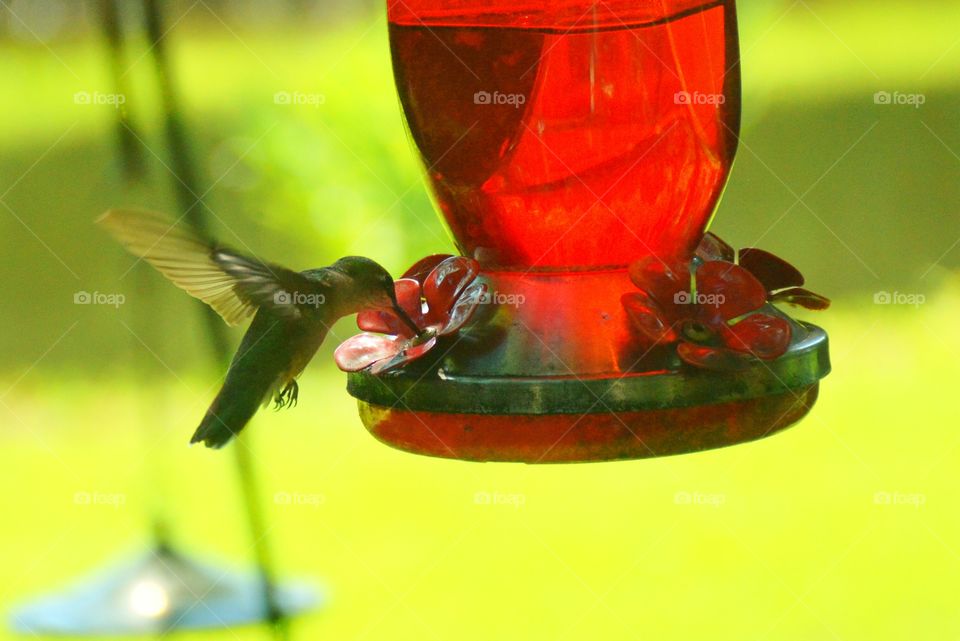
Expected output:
(603, 418)
(568, 438)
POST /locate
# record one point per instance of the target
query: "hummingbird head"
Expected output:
(372, 286)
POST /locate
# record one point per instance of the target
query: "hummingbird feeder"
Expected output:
(576, 151)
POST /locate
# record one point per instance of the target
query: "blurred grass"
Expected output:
(797, 547)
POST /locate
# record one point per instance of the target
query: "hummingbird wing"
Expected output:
(234, 285)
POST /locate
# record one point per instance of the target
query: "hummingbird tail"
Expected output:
(229, 413)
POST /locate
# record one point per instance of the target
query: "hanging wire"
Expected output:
(187, 188)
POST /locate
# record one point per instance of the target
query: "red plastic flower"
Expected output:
(782, 280)
(714, 310)
(439, 293)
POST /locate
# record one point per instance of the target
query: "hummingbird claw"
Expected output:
(288, 396)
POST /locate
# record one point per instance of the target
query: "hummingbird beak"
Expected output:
(405, 318)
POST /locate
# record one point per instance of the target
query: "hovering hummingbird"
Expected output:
(292, 311)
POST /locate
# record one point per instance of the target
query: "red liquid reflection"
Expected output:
(562, 136)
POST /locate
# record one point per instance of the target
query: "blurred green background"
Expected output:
(844, 527)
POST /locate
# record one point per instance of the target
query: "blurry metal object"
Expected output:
(158, 592)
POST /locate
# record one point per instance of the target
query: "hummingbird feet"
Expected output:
(287, 396)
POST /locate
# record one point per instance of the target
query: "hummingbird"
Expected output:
(292, 311)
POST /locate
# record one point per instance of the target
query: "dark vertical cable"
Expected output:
(187, 182)
(132, 165)
(189, 198)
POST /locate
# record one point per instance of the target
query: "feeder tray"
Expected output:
(460, 405)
